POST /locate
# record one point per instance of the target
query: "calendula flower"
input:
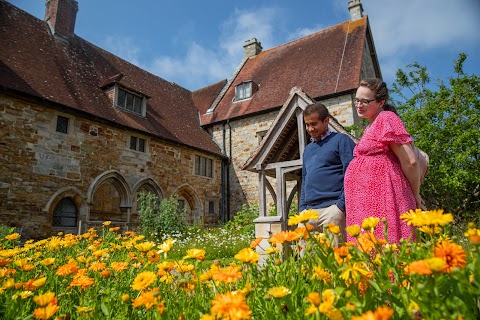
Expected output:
(321, 274)
(314, 298)
(284, 236)
(198, 254)
(452, 253)
(353, 230)
(37, 283)
(119, 266)
(125, 297)
(13, 236)
(247, 255)
(147, 299)
(303, 216)
(232, 306)
(143, 280)
(272, 250)
(46, 312)
(82, 281)
(145, 246)
(107, 223)
(473, 234)
(354, 272)
(382, 312)
(370, 223)
(97, 266)
(67, 269)
(333, 228)
(45, 298)
(229, 274)
(47, 261)
(279, 292)
(255, 242)
(419, 267)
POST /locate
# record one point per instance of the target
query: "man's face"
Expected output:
(315, 126)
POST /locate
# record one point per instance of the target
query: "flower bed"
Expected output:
(102, 274)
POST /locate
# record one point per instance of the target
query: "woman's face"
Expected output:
(366, 105)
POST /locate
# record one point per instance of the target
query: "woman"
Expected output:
(382, 180)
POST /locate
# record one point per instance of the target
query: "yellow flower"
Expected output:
(107, 223)
(147, 299)
(354, 271)
(125, 297)
(279, 292)
(47, 261)
(143, 280)
(8, 284)
(166, 246)
(195, 254)
(247, 255)
(333, 228)
(13, 236)
(303, 216)
(370, 223)
(321, 274)
(145, 246)
(314, 298)
(271, 250)
(353, 230)
(230, 306)
(420, 218)
(39, 282)
(44, 299)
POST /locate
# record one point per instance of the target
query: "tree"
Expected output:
(445, 122)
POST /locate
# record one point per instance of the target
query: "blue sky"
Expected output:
(197, 43)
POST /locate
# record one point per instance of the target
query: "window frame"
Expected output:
(137, 104)
(203, 166)
(58, 117)
(136, 145)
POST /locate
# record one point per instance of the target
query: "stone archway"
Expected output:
(109, 198)
(147, 185)
(192, 203)
(77, 198)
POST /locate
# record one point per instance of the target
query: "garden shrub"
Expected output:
(160, 220)
(242, 222)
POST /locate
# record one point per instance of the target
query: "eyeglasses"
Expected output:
(363, 102)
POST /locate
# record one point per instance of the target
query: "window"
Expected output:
(243, 91)
(65, 214)
(137, 144)
(130, 101)
(62, 124)
(261, 135)
(211, 207)
(203, 166)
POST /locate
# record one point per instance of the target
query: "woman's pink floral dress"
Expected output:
(374, 183)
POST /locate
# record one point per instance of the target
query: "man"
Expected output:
(325, 161)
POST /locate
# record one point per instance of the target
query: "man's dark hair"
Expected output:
(319, 108)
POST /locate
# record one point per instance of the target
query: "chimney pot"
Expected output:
(356, 10)
(252, 47)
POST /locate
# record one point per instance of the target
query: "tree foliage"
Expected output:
(444, 120)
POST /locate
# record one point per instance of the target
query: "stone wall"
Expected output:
(92, 164)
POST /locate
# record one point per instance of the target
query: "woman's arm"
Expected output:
(408, 162)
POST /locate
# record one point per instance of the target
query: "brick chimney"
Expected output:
(61, 16)
(252, 47)
(356, 10)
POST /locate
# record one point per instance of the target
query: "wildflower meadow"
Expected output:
(105, 274)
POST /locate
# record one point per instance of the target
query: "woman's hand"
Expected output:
(420, 203)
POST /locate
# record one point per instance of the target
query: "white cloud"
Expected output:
(123, 47)
(201, 66)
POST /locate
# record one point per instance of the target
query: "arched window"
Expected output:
(65, 214)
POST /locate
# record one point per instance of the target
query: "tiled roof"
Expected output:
(34, 63)
(322, 64)
(203, 98)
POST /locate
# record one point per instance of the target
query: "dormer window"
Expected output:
(245, 90)
(130, 101)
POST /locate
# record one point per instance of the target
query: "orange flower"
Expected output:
(46, 312)
(153, 256)
(230, 306)
(452, 253)
(4, 262)
(284, 236)
(13, 236)
(45, 298)
(255, 242)
(148, 299)
(119, 266)
(67, 269)
(229, 274)
(97, 266)
(82, 281)
(105, 273)
(196, 254)
(420, 267)
(382, 313)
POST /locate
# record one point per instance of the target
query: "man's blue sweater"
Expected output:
(324, 165)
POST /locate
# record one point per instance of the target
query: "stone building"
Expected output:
(82, 131)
